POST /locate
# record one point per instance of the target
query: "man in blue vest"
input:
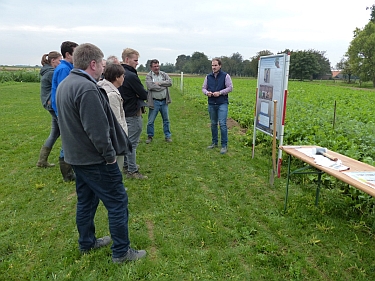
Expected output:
(216, 86)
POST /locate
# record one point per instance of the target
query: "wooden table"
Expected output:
(313, 168)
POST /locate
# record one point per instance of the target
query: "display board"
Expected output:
(273, 72)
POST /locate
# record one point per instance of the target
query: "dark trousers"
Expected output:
(102, 182)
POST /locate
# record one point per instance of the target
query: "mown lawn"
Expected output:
(200, 215)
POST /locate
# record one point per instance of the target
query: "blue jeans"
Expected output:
(161, 106)
(134, 133)
(218, 114)
(61, 150)
(55, 131)
(104, 182)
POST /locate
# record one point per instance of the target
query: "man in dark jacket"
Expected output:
(92, 138)
(134, 94)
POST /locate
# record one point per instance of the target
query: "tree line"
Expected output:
(307, 64)
(359, 60)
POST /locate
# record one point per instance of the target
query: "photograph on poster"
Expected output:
(267, 74)
(264, 121)
(264, 115)
(266, 92)
(277, 63)
(264, 108)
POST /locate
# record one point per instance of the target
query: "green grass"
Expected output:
(200, 215)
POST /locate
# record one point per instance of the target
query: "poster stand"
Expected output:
(273, 73)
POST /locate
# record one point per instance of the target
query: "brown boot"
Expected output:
(43, 157)
(66, 170)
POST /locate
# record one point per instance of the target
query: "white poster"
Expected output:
(271, 86)
(272, 89)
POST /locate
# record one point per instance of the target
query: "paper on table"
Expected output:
(367, 178)
(306, 151)
(323, 161)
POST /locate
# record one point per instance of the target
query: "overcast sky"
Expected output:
(168, 28)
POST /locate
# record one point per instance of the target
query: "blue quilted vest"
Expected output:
(215, 85)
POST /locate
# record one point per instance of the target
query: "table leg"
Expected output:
(318, 188)
(287, 183)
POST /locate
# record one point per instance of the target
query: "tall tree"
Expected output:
(181, 61)
(200, 64)
(372, 8)
(188, 67)
(323, 62)
(361, 53)
(236, 60)
(228, 65)
(246, 69)
(303, 65)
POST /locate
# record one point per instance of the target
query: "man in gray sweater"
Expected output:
(92, 138)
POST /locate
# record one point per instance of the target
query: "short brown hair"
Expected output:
(113, 71)
(218, 60)
(154, 61)
(67, 46)
(85, 53)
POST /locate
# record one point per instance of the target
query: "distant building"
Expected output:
(336, 74)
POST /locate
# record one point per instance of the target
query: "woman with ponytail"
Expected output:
(49, 62)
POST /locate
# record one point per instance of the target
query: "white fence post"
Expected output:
(182, 81)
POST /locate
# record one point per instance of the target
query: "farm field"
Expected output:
(310, 114)
(200, 215)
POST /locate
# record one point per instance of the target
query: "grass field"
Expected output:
(200, 215)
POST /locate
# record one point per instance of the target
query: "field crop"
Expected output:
(19, 74)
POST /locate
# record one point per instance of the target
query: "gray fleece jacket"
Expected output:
(90, 133)
(46, 74)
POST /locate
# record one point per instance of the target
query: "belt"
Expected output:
(159, 99)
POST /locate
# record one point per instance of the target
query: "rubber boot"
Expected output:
(66, 170)
(43, 157)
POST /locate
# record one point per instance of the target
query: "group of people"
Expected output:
(96, 106)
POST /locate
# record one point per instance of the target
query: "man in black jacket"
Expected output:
(134, 94)
(92, 138)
